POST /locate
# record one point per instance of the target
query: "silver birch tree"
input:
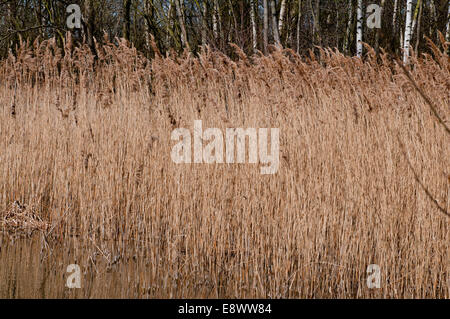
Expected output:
(407, 36)
(359, 30)
(447, 34)
(253, 22)
(282, 14)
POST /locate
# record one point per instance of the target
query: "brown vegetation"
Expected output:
(88, 150)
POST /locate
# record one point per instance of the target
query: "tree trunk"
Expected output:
(9, 44)
(394, 18)
(180, 14)
(336, 45)
(401, 38)
(253, 22)
(282, 14)
(204, 23)
(447, 34)
(416, 14)
(419, 19)
(231, 14)
(88, 25)
(359, 30)
(169, 24)
(276, 35)
(147, 24)
(349, 26)
(317, 40)
(214, 19)
(217, 22)
(127, 19)
(377, 34)
(407, 37)
(433, 33)
(299, 19)
(41, 18)
(266, 26)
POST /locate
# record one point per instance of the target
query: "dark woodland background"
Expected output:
(251, 24)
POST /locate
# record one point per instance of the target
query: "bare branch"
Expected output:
(416, 177)
(12, 32)
(424, 96)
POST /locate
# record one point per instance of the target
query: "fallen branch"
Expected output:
(416, 177)
(424, 96)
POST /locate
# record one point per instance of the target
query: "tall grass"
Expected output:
(85, 153)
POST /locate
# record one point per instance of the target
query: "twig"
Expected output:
(424, 96)
(58, 222)
(12, 32)
(416, 177)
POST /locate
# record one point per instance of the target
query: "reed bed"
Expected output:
(86, 175)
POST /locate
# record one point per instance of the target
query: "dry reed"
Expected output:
(88, 149)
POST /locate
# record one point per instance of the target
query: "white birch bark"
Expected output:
(447, 34)
(253, 22)
(401, 38)
(359, 30)
(282, 14)
(216, 19)
(407, 36)
(394, 18)
(147, 31)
